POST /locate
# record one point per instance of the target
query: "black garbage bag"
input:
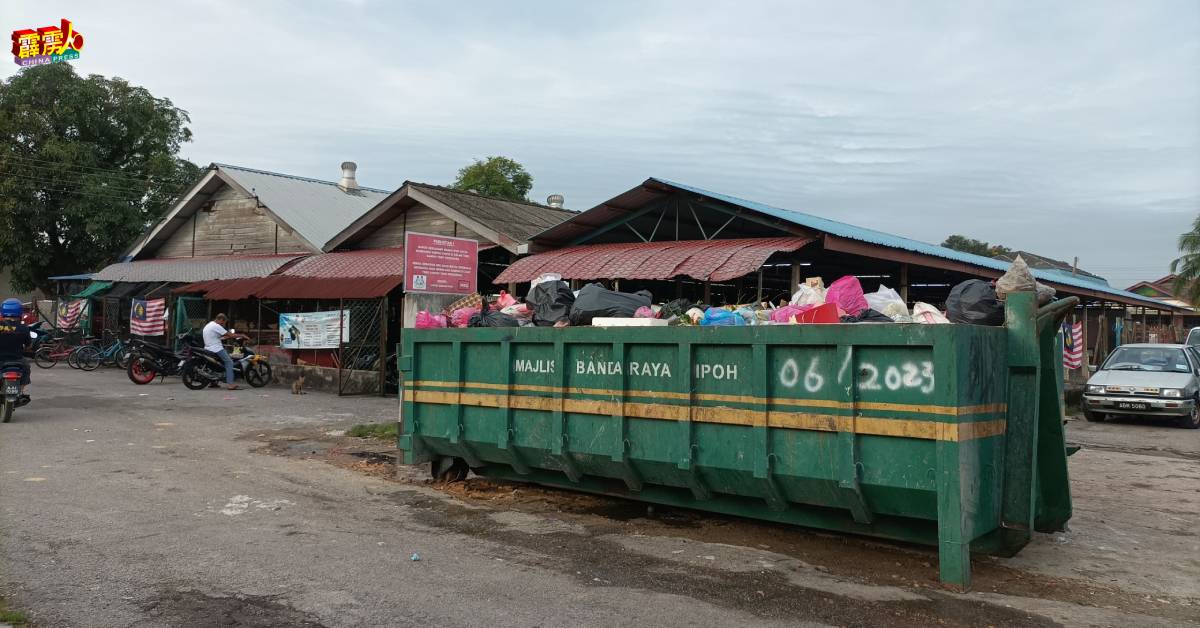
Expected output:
(551, 302)
(974, 302)
(488, 317)
(868, 316)
(596, 300)
(675, 308)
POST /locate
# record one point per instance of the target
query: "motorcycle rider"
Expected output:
(14, 338)
(214, 332)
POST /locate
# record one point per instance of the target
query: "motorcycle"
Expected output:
(13, 398)
(148, 360)
(205, 368)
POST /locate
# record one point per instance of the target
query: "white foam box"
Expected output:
(604, 321)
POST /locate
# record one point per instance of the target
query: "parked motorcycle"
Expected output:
(149, 360)
(204, 368)
(13, 398)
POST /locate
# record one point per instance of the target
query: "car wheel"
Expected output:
(1093, 417)
(1191, 421)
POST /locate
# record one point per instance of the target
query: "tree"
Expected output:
(1187, 266)
(978, 247)
(86, 164)
(498, 176)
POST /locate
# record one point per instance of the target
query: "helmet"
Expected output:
(12, 308)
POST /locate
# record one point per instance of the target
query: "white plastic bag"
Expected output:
(888, 302)
(1020, 279)
(926, 313)
(808, 295)
(544, 278)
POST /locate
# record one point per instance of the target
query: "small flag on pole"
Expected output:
(146, 318)
(69, 313)
(1072, 345)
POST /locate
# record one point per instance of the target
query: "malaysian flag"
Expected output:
(70, 312)
(148, 317)
(1072, 345)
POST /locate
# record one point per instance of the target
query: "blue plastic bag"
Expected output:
(719, 316)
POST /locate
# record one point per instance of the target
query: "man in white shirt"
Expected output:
(214, 332)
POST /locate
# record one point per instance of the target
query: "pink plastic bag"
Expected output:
(847, 293)
(462, 316)
(785, 313)
(425, 320)
(645, 312)
(505, 300)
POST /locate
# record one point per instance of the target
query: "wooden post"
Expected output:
(383, 353)
(707, 292)
(795, 278)
(760, 285)
(258, 302)
(341, 342)
(1086, 359)
(904, 282)
(1145, 327)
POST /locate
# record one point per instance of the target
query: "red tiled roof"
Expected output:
(715, 260)
(363, 274)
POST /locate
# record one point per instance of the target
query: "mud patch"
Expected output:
(192, 609)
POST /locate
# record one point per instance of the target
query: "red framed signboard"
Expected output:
(440, 264)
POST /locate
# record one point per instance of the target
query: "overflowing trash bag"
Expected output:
(808, 295)
(1020, 279)
(847, 293)
(645, 312)
(888, 302)
(426, 320)
(461, 317)
(927, 314)
(974, 302)
(551, 302)
(716, 316)
(488, 317)
(868, 316)
(595, 300)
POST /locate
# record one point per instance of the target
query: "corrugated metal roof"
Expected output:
(716, 260)
(191, 269)
(653, 188)
(364, 274)
(317, 210)
(519, 220)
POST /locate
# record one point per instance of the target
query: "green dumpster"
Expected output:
(949, 435)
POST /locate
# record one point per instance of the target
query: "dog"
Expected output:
(298, 385)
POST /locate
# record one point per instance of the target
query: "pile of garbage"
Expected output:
(552, 303)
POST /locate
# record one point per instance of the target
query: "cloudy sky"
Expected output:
(1064, 128)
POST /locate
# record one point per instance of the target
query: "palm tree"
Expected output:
(1187, 267)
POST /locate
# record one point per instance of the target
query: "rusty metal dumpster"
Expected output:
(948, 435)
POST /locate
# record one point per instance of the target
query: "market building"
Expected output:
(679, 240)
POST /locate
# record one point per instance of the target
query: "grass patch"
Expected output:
(381, 431)
(15, 618)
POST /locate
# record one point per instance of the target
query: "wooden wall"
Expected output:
(419, 219)
(234, 226)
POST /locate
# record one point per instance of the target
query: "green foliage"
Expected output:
(382, 431)
(978, 247)
(499, 177)
(1187, 266)
(86, 164)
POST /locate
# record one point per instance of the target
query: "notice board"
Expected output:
(440, 264)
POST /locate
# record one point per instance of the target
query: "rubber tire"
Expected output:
(123, 358)
(191, 381)
(7, 411)
(44, 358)
(73, 358)
(258, 375)
(89, 359)
(1192, 421)
(143, 367)
(1093, 417)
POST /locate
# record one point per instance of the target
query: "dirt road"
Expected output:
(158, 506)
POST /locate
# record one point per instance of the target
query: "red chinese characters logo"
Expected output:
(49, 44)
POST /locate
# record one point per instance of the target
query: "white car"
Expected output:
(1153, 380)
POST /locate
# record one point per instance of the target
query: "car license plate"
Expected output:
(12, 389)
(1132, 405)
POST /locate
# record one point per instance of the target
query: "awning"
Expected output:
(95, 288)
(130, 289)
(191, 269)
(366, 274)
(710, 260)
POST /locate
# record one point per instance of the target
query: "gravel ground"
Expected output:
(159, 506)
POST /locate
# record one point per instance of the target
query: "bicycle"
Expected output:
(91, 357)
(52, 350)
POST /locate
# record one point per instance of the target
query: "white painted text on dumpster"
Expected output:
(653, 369)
